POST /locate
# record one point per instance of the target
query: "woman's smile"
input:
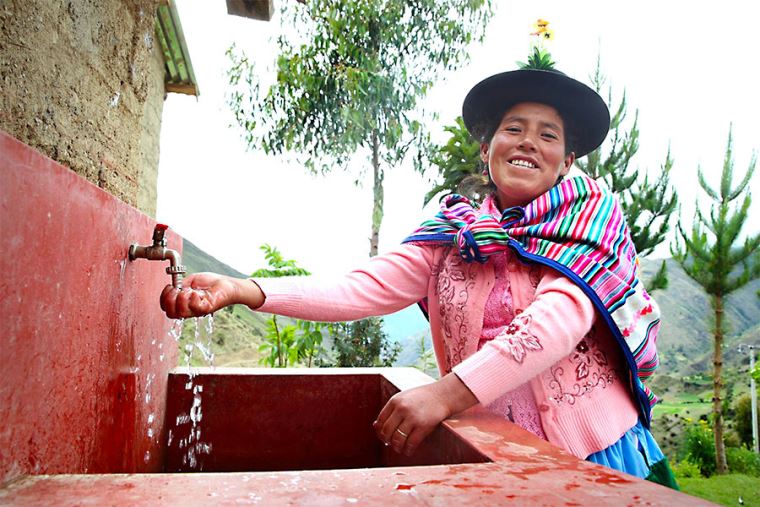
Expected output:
(524, 162)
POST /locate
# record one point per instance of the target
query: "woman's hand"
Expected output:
(410, 416)
(205, 293)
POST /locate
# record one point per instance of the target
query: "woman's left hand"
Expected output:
(410, 416)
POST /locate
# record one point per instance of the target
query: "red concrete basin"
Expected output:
(301, 419)
(304, 437)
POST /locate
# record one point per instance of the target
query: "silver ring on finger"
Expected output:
(398, 430)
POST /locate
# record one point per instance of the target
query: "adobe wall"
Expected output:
(83, 82)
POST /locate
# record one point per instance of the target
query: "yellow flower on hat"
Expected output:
(539, 57)
(542, 31)
(540, 24)
(541, 27)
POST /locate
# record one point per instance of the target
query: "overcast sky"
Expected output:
(689, 67)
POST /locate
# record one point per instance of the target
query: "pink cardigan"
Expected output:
(574, 368)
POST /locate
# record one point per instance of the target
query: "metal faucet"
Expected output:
(158, 252)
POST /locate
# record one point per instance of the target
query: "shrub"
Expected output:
(686, 468)
(743, 419)
(731, 439)
(743, 461)
(700, 447)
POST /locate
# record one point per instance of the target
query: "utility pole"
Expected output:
(753, 393)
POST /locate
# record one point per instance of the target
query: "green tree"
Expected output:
(713, 255)
(280, 346)
(648, 203)
(425, 357)
(456, 160)
(743, 419)
(309, 342)
(362, 343)
(350, 80)
(278, 266)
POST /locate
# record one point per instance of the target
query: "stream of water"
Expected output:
(200, 348)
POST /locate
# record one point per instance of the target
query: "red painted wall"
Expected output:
(84, 350)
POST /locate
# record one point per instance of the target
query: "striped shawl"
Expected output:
(577, 228)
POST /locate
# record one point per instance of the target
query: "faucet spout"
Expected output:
(158, 252)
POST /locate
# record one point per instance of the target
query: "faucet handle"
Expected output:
(158, 235)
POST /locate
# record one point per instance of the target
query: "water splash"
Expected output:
(210, 324)
(199, 348)
(196, 413)
(176, 330)
(148, 382)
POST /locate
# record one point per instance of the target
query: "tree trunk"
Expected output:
(720, 452)
(377, 191)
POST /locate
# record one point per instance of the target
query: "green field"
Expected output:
(724, 489)
(693, 410)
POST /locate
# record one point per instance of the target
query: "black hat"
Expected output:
(582, 109)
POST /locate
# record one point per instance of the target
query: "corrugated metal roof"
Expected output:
(179, 70)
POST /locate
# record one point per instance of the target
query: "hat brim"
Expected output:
(582, 109)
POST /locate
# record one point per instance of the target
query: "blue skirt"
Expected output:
(637, 453)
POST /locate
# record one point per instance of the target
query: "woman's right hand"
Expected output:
(205, 293)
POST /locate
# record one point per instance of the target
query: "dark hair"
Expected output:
(478, 185)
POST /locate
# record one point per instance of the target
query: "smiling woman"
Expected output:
(535, 305)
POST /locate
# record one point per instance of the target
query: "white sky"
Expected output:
(689, 67)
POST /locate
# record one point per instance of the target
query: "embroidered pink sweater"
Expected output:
(572, 366)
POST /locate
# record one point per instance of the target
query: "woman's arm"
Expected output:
(411, 415)
(386, 283)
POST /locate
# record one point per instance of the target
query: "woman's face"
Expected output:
(526, 155)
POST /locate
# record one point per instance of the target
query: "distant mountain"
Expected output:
(686, 337)
(198, 261)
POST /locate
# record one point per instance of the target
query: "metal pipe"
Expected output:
(753, 393)
(158, 252)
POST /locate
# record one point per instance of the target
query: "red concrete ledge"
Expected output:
(473, 484)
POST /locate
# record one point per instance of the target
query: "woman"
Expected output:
(533, 297)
